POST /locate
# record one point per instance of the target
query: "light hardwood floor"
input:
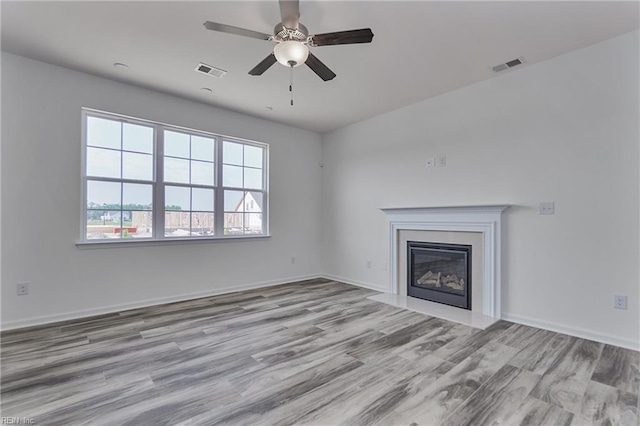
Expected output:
(315, 352)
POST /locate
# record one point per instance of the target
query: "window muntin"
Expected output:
(125, 198)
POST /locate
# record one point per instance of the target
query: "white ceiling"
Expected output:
(420, 49)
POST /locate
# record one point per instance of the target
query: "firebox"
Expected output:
(439, 272)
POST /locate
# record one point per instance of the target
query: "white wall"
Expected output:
(41, 181)
(564, 130)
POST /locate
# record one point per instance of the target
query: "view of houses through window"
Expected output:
(202, 185)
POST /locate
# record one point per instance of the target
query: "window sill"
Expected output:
(101, 244)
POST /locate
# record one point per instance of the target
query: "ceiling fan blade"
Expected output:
(363, 35)
(214, 26)
(290, 12)
(319, 68)
(264, 65)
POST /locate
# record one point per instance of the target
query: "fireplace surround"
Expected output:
(484, 220)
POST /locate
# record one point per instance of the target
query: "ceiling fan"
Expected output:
(293, 41)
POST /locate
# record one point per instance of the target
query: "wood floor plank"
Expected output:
(435, 402)
(535, 412)
(493, 402)
(542, 351)
(433, 340)
(341, 394)
(83, 406)
(606, 405)
(39, 394)
(460, 348)
(400, 319)
(620, 368)
(338, 342)
(371, 402)
(566, 380)
(384, 346)
(522, 336)
(251, 410)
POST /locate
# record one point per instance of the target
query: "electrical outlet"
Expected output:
(442, 161)
(430, 163)
(620, 301)
(547, 207)
(293, 260)
(368, 264)
(23, 289)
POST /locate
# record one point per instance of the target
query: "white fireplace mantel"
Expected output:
(486, 219)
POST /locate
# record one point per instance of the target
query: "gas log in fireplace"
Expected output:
(440, 273)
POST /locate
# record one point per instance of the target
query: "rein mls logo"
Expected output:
(16, 421)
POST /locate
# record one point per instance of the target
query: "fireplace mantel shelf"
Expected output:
(489, 208)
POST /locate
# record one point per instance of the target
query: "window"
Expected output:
(147, 180)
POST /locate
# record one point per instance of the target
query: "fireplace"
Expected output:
(439, 272)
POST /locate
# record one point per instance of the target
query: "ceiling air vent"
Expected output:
(210, 70)
(507, 65)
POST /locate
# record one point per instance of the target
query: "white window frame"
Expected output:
(158, 184)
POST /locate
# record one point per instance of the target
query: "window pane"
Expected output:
(253, 202)
(232, 153)
(103, 163)
(252, 156)
(103, 195)
(105, 133)
(201, 148)
(137, 196)
(103, 224)
(128, 229)
(177, 198)
(232, 176)
(233, 201)
(201, 224)
(201, 173)
(253, 223)
(202, 199)
(137, 138)
(176, 170)
(137, 166)
(252, 178)
(141, 225)
(177, 224)
(233, 224)
(257, 197)
(176, 144)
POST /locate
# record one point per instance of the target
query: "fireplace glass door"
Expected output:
(440, 273)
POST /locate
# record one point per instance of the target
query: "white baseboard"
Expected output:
(574, 331)
(354, 282)
(47, 319)
(532, 322)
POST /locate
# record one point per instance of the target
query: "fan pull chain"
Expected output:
(291, 84)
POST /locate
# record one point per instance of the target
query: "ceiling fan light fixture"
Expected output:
(291, 53)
